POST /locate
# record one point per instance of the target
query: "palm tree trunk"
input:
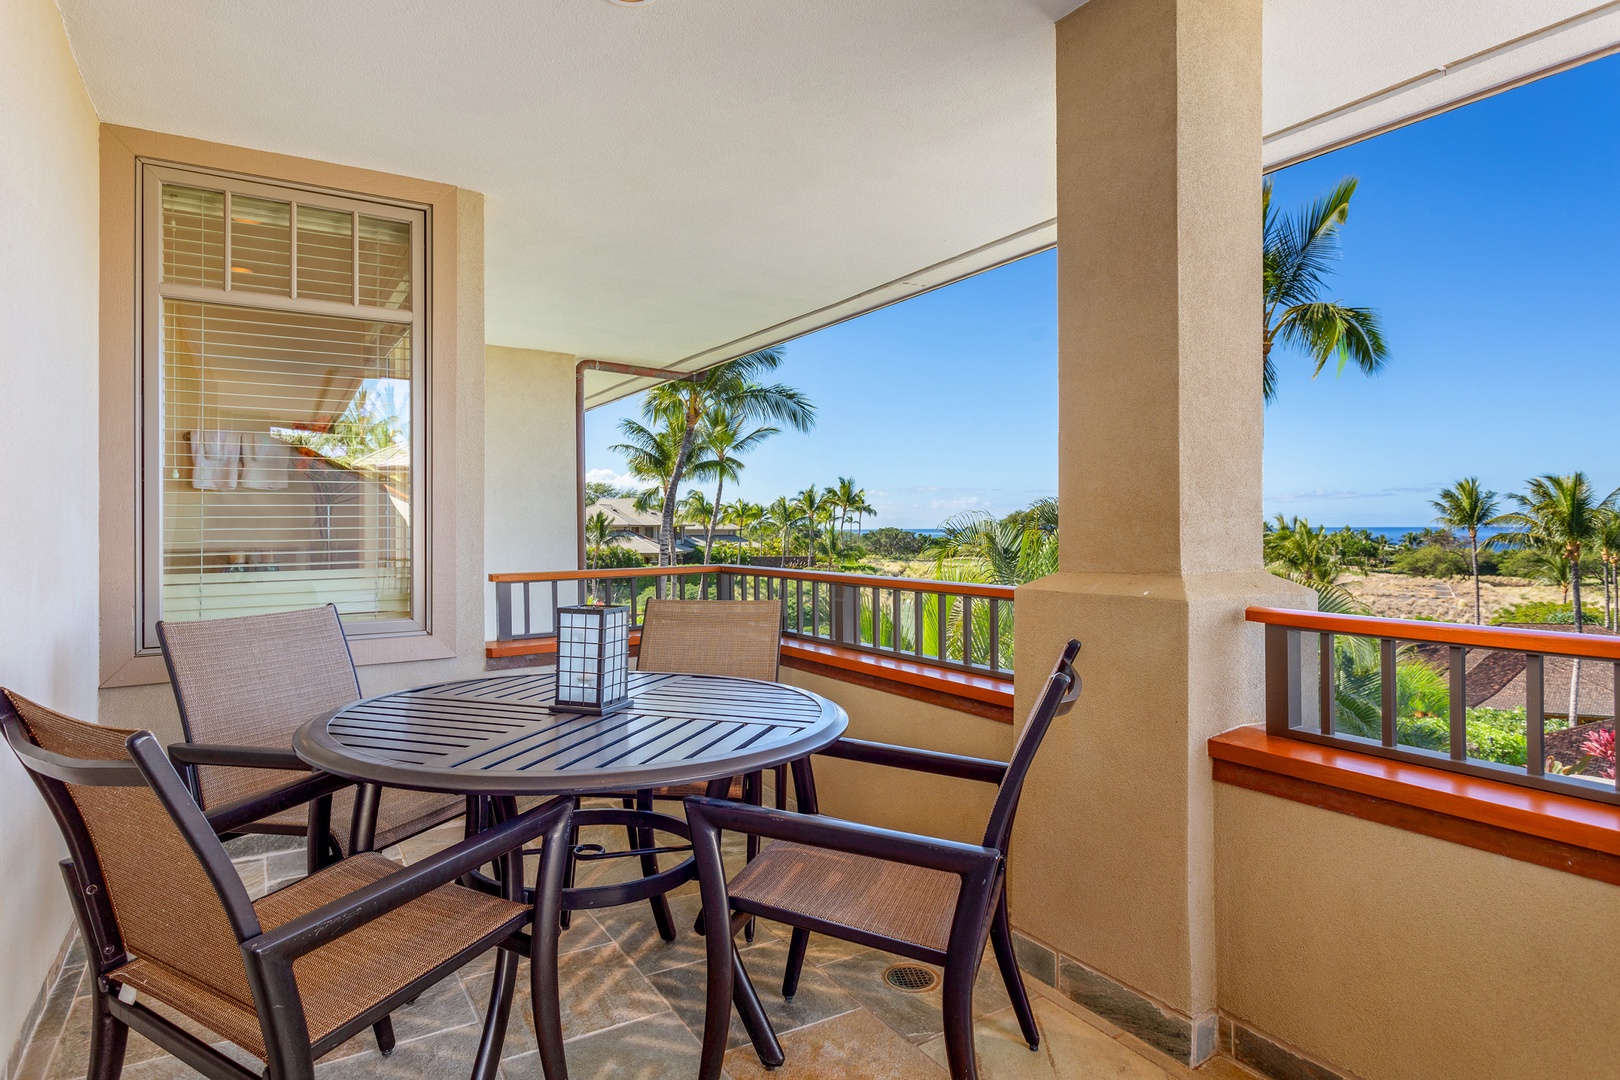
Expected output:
(666, 526)
(1473, 557)
(1575, 663)
(714, 518)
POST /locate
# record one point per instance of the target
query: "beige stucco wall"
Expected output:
(152, 706)
(48, 386)
(1390, 954)
(895, 798)
(1160, 432)
(530, 473)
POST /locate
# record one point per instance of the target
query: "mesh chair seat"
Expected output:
(741, 639)
(251, 681)
(401, 814)
(343, 979)
(890, 899)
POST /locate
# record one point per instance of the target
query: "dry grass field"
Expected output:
(1398, 596)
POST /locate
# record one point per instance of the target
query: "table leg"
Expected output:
(363, 825)
(643, 838)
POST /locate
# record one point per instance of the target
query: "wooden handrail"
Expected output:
(924, 585)
(1512, 639)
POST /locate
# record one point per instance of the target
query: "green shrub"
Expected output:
(1522, 563)
(1493, 734)
(1497, 735)
(1432, 560)
(1545, 611)
(614, 556)
(891, 543)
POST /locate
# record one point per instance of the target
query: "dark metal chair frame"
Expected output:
(269, 955)
(641, 802)
(981, 905)
(322, 846)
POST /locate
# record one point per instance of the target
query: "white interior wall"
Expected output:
(49, 213)
(530, 465)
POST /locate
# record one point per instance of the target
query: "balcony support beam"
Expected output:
(1160, 411)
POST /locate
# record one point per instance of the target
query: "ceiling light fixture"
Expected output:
(630, 3)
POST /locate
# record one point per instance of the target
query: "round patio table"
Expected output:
(494, 739)
(499, 735)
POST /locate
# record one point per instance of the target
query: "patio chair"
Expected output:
(244, 686)
(737, 638)
(924, 898)
(290, 977)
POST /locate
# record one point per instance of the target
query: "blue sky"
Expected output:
(1487, 238)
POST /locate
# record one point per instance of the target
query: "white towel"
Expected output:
(265, 461)
(215, 458)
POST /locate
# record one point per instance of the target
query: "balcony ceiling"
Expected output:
(675, 183)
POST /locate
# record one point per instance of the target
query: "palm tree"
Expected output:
(732, 387)
(782, 515)
(1465, 505)
(599, 532)
(696, 509)
(849, 500)
(746, 516)
(1299, 251)
(1561, 514)
(725, 441)
(1608, 544)
(810, 507)
(1305, 555)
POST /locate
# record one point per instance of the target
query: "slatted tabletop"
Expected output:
(499, 735)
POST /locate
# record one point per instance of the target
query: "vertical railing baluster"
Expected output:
(1535, 714)
(1387, 686)
(1326, 693)
(995, 634)
(503, 611)
(1459, 703)
(1281, 657)
(967, 630)
(798, 605)
(917, 623)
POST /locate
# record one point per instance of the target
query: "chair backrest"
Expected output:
(253, 681)
(1057, 696)
(153, 879)
(740, 638)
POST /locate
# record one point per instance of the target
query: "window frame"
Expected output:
(152, 290)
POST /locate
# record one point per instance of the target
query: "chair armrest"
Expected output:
(909, 757)
(232, 816)
(244, 757)
(330, 921)
(709, 816)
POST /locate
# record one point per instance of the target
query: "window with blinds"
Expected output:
(283, 415)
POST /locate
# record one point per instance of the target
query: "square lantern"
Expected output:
(593, 659)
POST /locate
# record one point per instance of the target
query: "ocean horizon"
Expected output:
(1389, 532)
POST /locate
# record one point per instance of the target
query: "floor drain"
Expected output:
(912, 978)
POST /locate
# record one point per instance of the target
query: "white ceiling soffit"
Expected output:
(664, 182)
(1339, 70)
(672, 183)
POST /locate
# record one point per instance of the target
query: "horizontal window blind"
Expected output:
(288, 421)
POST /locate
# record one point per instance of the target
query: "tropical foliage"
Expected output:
(1300, 250)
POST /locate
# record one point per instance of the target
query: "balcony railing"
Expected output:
(958, 625)
(1339, 680)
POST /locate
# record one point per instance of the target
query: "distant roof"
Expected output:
(623, 512)
(646, 545)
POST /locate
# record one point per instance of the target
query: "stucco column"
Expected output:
(1159, 236)
(530, 468)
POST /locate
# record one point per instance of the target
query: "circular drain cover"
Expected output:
(912, 978)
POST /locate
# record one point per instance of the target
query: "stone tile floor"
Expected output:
(633, 1008)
